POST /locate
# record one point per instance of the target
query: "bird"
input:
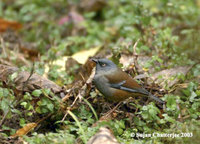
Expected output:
(115, 84)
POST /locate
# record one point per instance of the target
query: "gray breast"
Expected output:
(102, 85)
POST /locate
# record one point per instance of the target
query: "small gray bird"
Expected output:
(115, 84)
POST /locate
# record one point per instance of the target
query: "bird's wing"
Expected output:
(136, 90)
(122, 81)
(132, 90)
(120, 78)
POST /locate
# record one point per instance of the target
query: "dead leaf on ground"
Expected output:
(142, 61)
(10, 36)
(81, 57)
(113, 30)
(84, 71)
(128, 60)
(35, 82)
(19, 58)
(83, 89)
(12, 41)
(5, 24)
(23, 131)
(5, 62)
(71, 66)
(103, 136)
(92, 5)
(168, 77)
(29, 50)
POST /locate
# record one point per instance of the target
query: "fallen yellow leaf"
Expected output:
(25, 129)
(81, 57)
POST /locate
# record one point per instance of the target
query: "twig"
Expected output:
(112, 110)
(74, 101)
(82, 76)
(69, 108)
(39, 121)
(81, 93)
(64, 116)
(136, 55)
(180, 114)
(3, 46)
(134, 48)
(66, 97)
(192, 66)
(6, 113)
(26, 82)
(84, 87)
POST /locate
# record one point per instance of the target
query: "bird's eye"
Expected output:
(103, 64)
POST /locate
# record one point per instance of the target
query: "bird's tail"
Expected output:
(156, 98)
(145, 92)
(137, 90)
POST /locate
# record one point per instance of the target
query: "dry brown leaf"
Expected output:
(23, 131)
(104, 136)
(29, 50)
(5, 24)
(113, 30)
(20, 59)
(168, 77)
(126, 60)
(86, 87)
(35, 82)
(92, 5)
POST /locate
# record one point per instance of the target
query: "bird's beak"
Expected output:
(94, 60)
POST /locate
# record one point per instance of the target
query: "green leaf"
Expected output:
(16, 111)
(27, 96)
(186, 92)
(195, 106)
(193, 95)
(13, 76)
(1, 92)
(198, 92)
(171, 102)
(50, 106)
(38, 110)
(37, 93)
(24, 104)
(168, 118)
(46, 92)
(44, 110)
(4, 105)
(30, 113)
(22, 122)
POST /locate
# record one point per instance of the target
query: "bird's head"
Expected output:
(104, 66)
